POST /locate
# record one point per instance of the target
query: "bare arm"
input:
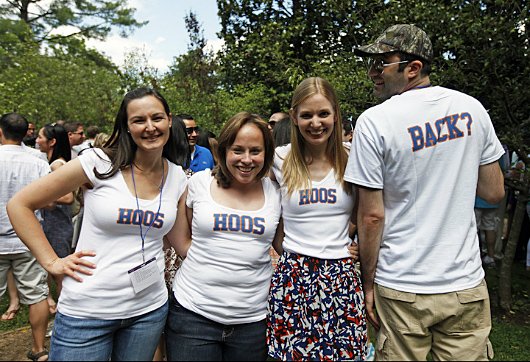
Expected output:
(21, 211)
(278, 238)
(354, 248)
(490, 186)
(180, 234)
(371, 217)
(67, 199)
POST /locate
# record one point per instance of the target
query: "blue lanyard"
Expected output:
(421, 86)
(142, 235)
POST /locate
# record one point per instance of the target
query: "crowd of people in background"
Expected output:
(275, 238)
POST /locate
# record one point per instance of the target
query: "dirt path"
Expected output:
(15, 344)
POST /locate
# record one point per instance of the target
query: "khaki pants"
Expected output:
(452, 326)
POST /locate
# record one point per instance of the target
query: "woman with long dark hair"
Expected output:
(114, 301)
(57, 223)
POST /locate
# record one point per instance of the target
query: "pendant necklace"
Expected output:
(158, 185)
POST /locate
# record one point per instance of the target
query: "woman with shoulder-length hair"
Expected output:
(57, 224)
(316, 305)
(219, 300)
(134, 190)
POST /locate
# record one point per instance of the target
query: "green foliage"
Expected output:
(89, 18)
(45, 89)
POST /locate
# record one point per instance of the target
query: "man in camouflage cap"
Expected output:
(418, 159)
(402, 37)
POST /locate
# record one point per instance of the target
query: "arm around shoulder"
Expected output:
(490, 185)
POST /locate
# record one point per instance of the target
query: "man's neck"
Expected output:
(10, 142)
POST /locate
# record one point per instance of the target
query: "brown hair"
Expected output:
(295, 171)
(227, 138)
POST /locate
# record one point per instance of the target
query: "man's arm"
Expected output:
(370, 223)
(490, 186)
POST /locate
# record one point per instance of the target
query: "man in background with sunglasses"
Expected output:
(201, 157)
(76, 135)
(418, 160)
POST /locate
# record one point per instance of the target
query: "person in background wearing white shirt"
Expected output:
(219, 301)
(118, 309)
(17, 169)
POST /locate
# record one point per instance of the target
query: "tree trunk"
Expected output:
(505, 274)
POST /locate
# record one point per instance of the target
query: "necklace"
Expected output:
(158, 185)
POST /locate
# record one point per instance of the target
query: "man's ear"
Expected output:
(415, 68)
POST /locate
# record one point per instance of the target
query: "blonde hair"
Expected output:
(295, 171)
(100, 139)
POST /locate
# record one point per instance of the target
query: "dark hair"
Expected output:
(71, 126)
(347, 126)
(14, 126)
(203, 139)
(282, 132)
(185, 116)
(120, 148)
(61, 148)
(425, 70)
(91, 132)
(30, 140)
(178, 132)
(227, 138)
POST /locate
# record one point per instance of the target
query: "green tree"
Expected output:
(278, 43)
(89, 18)
(46, 89)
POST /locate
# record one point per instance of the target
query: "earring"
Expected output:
(128, 131)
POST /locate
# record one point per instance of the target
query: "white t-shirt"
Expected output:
(111, 229)
(424, 149)
(316, 221)
(227, 272)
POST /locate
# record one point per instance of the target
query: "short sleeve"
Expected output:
(94, 158)
(365, 163)
(493, 149)
(195, 187)
(277, 163)
(182, 180)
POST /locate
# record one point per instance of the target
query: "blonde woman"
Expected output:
(316, 305)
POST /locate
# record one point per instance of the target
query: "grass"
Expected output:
(22, 318)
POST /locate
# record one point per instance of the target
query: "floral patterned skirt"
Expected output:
(316, 310)
(172, 264)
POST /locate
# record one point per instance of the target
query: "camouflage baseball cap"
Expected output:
(401, 37)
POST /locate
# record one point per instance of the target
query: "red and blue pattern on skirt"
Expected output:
(316, 310)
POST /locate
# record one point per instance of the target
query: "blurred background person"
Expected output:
(57, 223)
(208, 140)
(275, 118)
(282, 132)
(201, 158)
(76, 134)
